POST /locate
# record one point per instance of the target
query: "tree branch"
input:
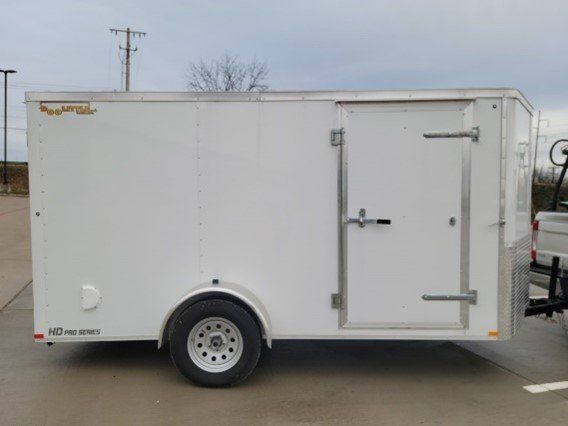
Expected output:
(227, 74)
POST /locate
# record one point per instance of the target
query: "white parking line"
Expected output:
(545, 387)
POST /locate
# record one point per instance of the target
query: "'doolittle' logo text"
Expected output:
(79, 109)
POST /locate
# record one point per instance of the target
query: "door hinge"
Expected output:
(336, 301)
(337, 137)
(473, 134)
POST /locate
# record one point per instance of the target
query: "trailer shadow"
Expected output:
(320, 359)
(417, 359)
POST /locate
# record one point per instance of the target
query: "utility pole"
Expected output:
(536, 145)
(534, 177)
(5, 171)
(128, 49)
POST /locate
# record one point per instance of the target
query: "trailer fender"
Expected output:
(222, 289)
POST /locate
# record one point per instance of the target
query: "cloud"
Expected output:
(318, 44)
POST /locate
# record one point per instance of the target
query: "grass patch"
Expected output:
(17, 178)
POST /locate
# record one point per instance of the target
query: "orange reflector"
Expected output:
(493, 333)
(38, 336)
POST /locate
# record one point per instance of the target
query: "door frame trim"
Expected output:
(342, 201)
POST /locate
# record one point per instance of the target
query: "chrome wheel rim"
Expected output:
(215, 344)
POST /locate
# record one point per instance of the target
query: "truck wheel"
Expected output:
(215, 343)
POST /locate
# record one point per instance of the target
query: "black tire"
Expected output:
(215, 308)
(562, 151)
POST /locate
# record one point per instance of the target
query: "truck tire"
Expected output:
(215, 343)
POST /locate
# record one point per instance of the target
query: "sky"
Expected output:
(316, 44)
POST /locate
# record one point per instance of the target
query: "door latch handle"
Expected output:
(470, 296)
(501, 222)
(362, 220)
(473, 134)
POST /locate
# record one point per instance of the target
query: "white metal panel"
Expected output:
(519, 172)
(395, 173)
(484, 216)
(247, 192)
(268, 205)
(116, 193)
(516, 210)
(279, 96)
(37, 246)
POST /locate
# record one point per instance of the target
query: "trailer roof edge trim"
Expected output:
(329, 95)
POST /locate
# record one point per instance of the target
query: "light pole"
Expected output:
(5, 175)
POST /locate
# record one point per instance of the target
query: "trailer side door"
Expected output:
(405, 220)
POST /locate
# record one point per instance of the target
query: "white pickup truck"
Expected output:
(549, 249)
(549, 239)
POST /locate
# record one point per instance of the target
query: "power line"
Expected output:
(128, 50)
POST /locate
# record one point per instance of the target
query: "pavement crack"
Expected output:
(17, 294)
(509, 370)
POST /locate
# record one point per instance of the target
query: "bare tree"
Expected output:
(227, 74)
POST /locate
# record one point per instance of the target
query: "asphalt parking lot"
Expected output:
(389, 382)
(15, 257)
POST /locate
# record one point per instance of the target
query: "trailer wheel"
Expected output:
(215, 343)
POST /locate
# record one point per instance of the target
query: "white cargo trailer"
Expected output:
(211, 221)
